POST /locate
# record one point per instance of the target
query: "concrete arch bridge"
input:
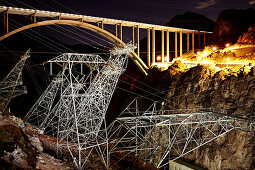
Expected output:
(96, 24)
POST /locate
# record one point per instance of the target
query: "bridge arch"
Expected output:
(134, 57)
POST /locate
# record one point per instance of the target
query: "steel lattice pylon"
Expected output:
(11, 85)
(159, 136)
(77, 119)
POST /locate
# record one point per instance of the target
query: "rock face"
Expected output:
(248, 37)
(233, 91)
(15, 147)
(231, 23)
(234, 150)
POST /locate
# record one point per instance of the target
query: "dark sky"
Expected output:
(148, 11)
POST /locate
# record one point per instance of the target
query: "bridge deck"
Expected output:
(51, 14)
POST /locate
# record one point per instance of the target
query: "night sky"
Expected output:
(148, 11)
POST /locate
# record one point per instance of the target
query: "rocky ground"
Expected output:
(20, 150)
(21, 147)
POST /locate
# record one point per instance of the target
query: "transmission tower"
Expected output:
(161, 136)
(77, 119)
(11, 85)
(38, 114)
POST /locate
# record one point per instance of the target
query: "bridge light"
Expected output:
(227, 45)
(165, 59)
(214, 48)
(198, 53)
(227, 59)
(158, 58)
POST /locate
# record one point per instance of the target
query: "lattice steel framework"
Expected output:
(11, 85)
(159, 136)
(77, 119)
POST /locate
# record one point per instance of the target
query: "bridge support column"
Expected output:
(116, 30)
(148, 47)
(102, 25)
(193, 42)
(180, 44)
(153, 46)
(138, 40)
(33, 18)
(121, 32)
(187, 42)
(133, 37)
(162, 46)
(6, 22)
(176, 45)
(167, 46)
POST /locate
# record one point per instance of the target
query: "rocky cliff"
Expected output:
(248, 37)
(201, 86)
(231, 23)
(207, 86)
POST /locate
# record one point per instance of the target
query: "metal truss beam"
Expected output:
(157, 136)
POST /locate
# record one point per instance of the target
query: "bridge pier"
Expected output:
(162, 46)
(176, 45)
(121, 31)
(6, 21)
(153, 46)
(180, 44)
(187, 42)
(116, 30)
(167, 46)
(193, 42)
(133, 34)
(148, 47)
(102, 24)
(33, 18)
(138, 40)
